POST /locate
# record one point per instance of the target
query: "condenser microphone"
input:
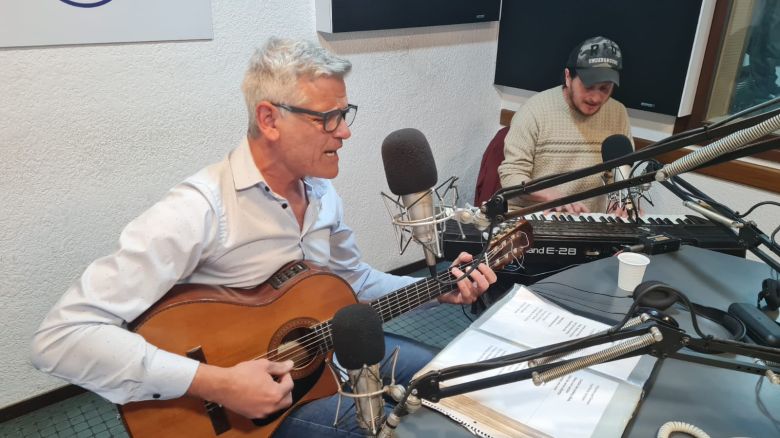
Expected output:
(411, 174)
(359, 346)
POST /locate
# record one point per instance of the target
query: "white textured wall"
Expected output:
(92, 135)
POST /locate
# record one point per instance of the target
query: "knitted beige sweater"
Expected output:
(547, 136)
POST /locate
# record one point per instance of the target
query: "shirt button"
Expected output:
(284, 205)
(267, 189)
(155, 395)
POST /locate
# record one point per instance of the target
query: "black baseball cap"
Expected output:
(597, 59)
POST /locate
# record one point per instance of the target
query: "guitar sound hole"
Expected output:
(298, 345)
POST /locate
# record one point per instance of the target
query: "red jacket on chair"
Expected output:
(488, 181)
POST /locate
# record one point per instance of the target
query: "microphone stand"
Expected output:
(750, 236)
(653, 337)
(636, 336)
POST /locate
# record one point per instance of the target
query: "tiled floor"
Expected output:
(88, 415)
(435, 326)
(82, 416)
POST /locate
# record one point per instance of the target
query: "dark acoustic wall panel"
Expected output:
(655, 36)
(361, 15)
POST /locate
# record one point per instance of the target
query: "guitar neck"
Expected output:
(412, 296)
(393, 304)
(509, 245)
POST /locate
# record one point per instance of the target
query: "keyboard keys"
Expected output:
(655, 219)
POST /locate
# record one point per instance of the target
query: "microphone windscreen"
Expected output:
(615, 146)
(358, 338)
(408, 160)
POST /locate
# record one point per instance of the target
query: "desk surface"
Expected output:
(721, 402)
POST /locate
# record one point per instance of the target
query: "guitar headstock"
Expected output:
(510, 242)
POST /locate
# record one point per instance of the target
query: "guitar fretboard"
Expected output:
(407, 298)
(394, 304)
(391, 305)
(416, 294)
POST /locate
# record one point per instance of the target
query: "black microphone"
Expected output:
(411, 174)
(359, 345)
(613, 147)
(616, 146)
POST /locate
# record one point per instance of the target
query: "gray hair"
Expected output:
(275, 69)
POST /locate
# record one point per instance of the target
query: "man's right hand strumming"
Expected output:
(254, 389)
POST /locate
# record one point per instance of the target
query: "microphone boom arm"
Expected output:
(666, 342)
(607, 188)
(750, 236)
(495, 208)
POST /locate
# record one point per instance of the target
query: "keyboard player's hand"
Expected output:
(625, 212)
(552, 194)
(573, 208)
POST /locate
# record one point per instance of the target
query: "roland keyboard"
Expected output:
(563, 240)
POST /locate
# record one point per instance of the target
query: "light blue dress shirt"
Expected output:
(224, 225)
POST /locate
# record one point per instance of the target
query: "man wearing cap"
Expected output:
(562, 129)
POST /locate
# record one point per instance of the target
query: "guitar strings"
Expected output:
(434, 285)
(409, 298)
(316, 337)
(406, 299)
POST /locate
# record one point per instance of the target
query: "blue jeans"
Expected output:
(315, 419)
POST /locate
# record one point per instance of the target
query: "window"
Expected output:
(740, 69)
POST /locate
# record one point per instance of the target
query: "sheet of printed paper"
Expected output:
(570, 406)
(534, 322)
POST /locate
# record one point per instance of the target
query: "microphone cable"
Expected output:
(603, 294)
(550, 294)
(772, 237)
(672, 427)
(686, 304)
(681, 296)
(755, 206)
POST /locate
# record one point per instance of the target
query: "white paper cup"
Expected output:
(631, 270)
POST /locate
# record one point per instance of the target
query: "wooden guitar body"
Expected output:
(229, 326)
(287, 317)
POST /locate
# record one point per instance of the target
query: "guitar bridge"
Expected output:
(216, 413)
(281, 276)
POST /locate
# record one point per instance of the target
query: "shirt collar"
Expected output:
(243, 167)
(246, 174)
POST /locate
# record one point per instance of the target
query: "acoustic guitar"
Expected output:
(287, 317)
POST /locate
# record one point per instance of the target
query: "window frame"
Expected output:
(742, 172)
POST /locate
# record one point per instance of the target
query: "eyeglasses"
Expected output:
(330, 119)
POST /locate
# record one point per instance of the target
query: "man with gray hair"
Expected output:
(234, 223)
